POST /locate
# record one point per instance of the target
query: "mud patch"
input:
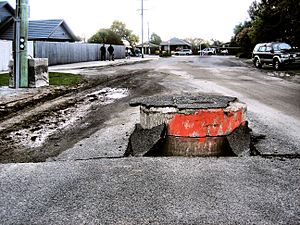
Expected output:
(24, 141)
(9, 107)
(35, 135)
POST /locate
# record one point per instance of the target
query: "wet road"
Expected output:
(91, 183)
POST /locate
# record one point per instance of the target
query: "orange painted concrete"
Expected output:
(205, 123)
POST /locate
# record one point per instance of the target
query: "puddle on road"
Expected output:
(36, 134)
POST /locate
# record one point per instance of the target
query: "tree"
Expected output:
(275, 20)
(116, 34)
(106, 36)
(242, 37)
(271, 20)
(243, 40)
(195, 42)
(125, 34)
(238, 28)
(155, 39)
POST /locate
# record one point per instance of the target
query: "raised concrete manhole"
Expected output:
(190, 125)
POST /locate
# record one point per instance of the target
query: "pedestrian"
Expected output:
(127, 53)
(111, 50)
(103, 53)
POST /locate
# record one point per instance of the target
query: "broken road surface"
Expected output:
(80, 174)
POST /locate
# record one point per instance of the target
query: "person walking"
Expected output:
(103, 53)
(111, 50)
(127, 53)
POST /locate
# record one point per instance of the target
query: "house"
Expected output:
(55, 30)
(149, 48)
(6, 12)
(175, 44)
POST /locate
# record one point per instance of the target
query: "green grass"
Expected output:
(4, 79)
(65, 79)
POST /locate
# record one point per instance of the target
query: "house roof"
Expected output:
(6, 5)
(50, 30)
(43, 30)
(46, 29)
(148, 44)
(6, 12)
(175, 41)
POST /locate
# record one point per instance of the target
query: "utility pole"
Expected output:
(149, 50)
(20, 44)
(142, 14)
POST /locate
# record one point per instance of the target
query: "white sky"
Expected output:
(168, 18)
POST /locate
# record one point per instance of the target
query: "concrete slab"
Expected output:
(165, 190)
(144, 142)
(185, 102)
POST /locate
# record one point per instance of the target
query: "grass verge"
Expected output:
(4, 79)
(65, 79)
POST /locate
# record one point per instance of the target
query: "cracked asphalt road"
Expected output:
(87, 181)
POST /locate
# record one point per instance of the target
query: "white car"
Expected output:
(224, 52)
(208, 51)
(184, 52)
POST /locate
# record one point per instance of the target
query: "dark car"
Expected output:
(277, 54)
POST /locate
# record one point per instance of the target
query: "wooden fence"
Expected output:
(65, 52)
(58, 52)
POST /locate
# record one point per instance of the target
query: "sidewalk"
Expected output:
(116, 62)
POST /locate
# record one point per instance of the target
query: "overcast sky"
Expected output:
(168, 18)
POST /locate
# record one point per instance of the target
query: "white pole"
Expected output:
(142, 8)
(17, 46)
(149, 52)
(200, 49)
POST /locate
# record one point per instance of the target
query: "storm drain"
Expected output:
(190, 125)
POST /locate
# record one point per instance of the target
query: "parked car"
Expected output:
(277, 54)
(184, 52)
(208, 51)
(224, 52)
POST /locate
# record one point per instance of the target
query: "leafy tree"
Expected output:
(271, 20)
(106, 36)
(116, 34)
(242, 37)
(216, 42)
(155, 39)
(119, 28)
(125, 34)
(132, 39)
(243, 40)
(195, 42)
(238, 28)
(275, 20)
